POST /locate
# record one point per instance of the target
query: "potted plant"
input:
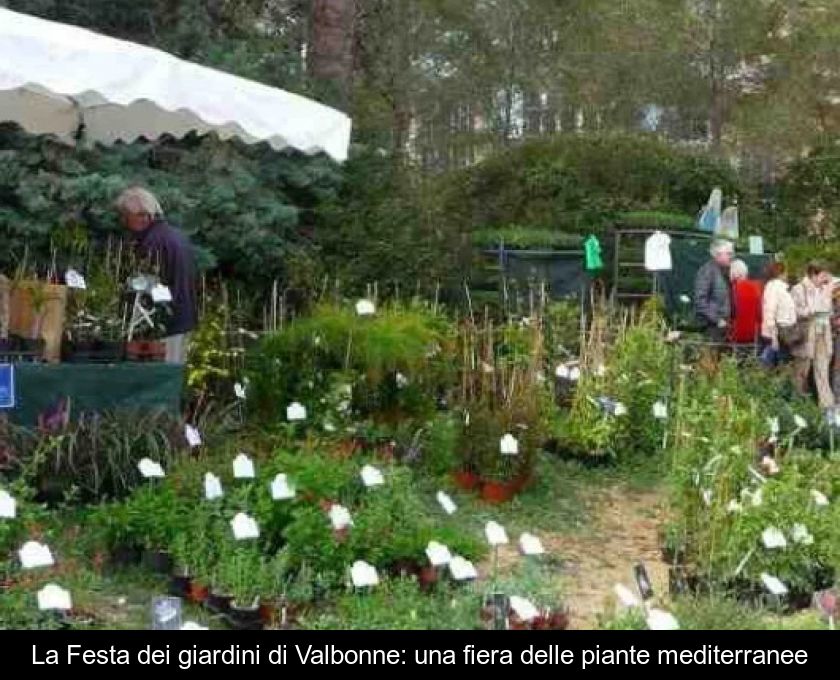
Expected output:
(241, 571)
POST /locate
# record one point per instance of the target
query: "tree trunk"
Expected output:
(330, 59)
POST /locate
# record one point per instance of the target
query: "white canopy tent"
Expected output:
(55, 78)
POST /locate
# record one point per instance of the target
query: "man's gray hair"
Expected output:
(139, 201)
(721, 246)
(738, 270)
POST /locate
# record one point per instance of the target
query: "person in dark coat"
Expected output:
(712, 293)
(171, 249)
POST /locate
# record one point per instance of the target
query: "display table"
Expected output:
(96, 387)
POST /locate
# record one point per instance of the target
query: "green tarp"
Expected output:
(96, 387)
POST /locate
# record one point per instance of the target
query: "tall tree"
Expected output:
(332, 39)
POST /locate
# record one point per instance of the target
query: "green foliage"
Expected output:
(515, 237)
(651, 219)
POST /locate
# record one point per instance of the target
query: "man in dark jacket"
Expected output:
(712, 293)
(172, 251)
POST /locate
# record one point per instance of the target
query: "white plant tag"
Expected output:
(193, 436)
(340, 517)
(774, 425)
(819, 498)
(244, 527)
(626, 596)
(365, 308)
(524, 609)
(461, 569)
(33, 555)
(619, 410)
(239, 391)
(150, 469)
(295, 413)
(161, 293)
(770, 466)
(371, 476)
(662, 620)
(438, 554)
(800, 422)
(212, 487)
(243, 467)
(574, 374)
(773, 539)
(75, 280)
(562, 372)
(801, 535)
(446, 503)
(54, 597)
(192, 625)
(734, 507)
(402, 381)
(364, 575)
(660, 411)
(685, 299)
(707, 497)
(8, 505)
(495, 533)
(530, 545)
(281, 490)
(509, 446)
(774, 585)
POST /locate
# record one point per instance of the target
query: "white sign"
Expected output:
(461, 569)
(365, 308)
(340, 517)
(239, 391)
(75, 280)
(626, 596)
(8, 505)
(33, 555)
(509, 446)
(446, 503)
(801, 535)
(685, 299)
(662, 620)
(620, 409)
(801, 423)
(243, 467)
(244, 527)
(193, 436)
(562, 372)
(402, 381)
(820, 499)
(281, 490)
(574, 374)
(295, 413)
(438, 554)
(212, 487)
(524, 609)
(371, 476)
(530, 545)
(52, 596)
(495, 534)
(150, 469)
(364, 575)
(734, 507)
(774, 585)
(161, 294)
(756, 245)
(707, 497)
(773, 539)
(774, 425)
(660, 410)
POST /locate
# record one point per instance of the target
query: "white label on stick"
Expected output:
(243, 467)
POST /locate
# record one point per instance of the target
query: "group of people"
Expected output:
(797, 324)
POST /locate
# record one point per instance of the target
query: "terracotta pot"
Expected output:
(268, 612)
(497, 492)
(198, 593)
(428, 577)
(467, 480)
(145, 350)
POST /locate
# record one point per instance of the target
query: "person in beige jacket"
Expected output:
(813, 299)
(778, 315)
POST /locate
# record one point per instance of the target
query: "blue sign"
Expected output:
(7, 386)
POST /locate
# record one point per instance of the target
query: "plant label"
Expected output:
(530, 545)
(660, 411)
(461, 569)
(192, 625)
(626, 596)
(340, 517)
(524, 609)
(801, 535)
(562, 372)
(8, 505)
(365, 308)
(574, 374)
(756, 245)
(495, 534)
(774, 586)
(239, 391)
(773, 539)
(371, 476)
(600, 370)
(166, 613)
(658, 619)
(281, 490)
(775, 427)
(244, 527)
(466, 418)
(446, 503)
(212, 487)
(770, 466)
(734, 507)
(139, 284)
(402, 381)
(53, 597)
(619, 410)
(296, 413)
(707, 497)
(438, 554)
(364, 575)
(75, 280)
(34, 555)
(161, 294)
(819, 498)
(800, 422)
(509, 446)
(243, 467)
(150, 469)
(192, 435)
(643, 582)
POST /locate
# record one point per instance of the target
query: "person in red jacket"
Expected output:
(746, 305)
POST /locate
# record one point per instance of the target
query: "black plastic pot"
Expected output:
(158, 561)
(244, 617)
(179, 585)
(125, 556)
(93, 352)
(217, 603)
